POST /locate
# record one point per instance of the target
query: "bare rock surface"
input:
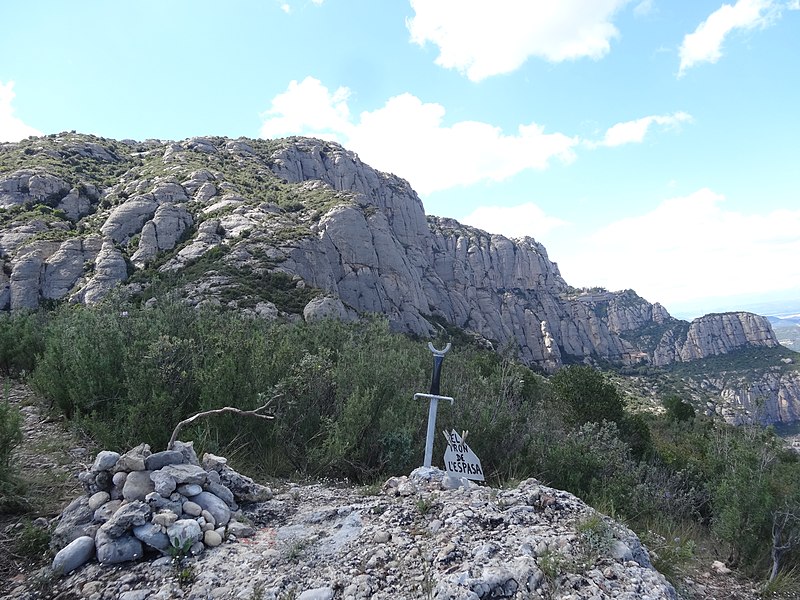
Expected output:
(332, 541)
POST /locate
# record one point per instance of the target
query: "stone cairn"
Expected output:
(163, 503)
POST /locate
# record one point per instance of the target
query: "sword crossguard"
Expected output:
(438, 352)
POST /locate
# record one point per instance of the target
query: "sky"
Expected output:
(651, 145)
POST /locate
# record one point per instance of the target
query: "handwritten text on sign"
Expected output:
(460, 460)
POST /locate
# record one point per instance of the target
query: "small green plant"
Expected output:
(785, 585)
(596, 536)
(670, 552)
(425, 505)
(179, 551)
(184, 574)
(553, 565)
(293, 549)
(32, 541)
(10, 437)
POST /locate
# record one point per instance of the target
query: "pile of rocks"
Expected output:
(161, 503)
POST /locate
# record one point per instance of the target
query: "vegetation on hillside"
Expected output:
(343, 398)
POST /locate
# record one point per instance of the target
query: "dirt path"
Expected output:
(48, 459)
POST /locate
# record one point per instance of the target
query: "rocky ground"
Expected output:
(406, 539)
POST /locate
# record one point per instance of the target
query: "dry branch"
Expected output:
(226, 409)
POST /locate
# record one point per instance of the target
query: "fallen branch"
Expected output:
(226, 409)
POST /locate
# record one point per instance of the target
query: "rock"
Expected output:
(212, 539)
(128, 218)
(328, 308)
(620, 551)
(73, 555)
(209, 518)
(110, 269)
(137, 485)
(322, 593)
(152, 535)
(104, 513)
(76, 521)
(215, 506)
(113, 550)
(164, 518)
(185, 473)
(240, 530)
(183, 533)
(105, 461)
(64, 268)
(161, 233)
(161, 459)
(406, 488)
(25, 281)
(163, 483)
(190, 489)
(136, 595)
(98, 499)
(192, 509)
(125, 518)
(187, 449)
(223, 493)
(720, 568)
(244, 489)
(212, 462)
(381, 537)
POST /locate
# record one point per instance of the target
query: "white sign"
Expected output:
(460, 460)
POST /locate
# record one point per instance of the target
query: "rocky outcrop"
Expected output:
(110, 269)
(418, 537)
(31, 186)
(162, 232)
(739, 398)
(311, 210)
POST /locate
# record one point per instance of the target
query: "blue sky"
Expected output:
(649, 144)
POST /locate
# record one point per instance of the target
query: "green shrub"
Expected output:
(21, 339)
(10, 438)
(588, 395)
(677, 409)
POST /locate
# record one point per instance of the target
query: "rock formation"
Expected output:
(418, 537)
(331, 230)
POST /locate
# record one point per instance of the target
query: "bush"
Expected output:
(21, 339)
(10, 437)
(588, 395)
(677, 409)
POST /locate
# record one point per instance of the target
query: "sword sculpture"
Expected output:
(434, 397)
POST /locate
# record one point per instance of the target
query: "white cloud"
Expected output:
(308, 107)
(408, 137)
(482, 38)
(286, 8)
(705, 43)
(630, 132)
(526, 219)
(12, 129)
(644, 8)
(690, 247)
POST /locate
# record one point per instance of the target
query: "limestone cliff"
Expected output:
(232, 220)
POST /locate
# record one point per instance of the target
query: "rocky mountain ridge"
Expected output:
(302, 227)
